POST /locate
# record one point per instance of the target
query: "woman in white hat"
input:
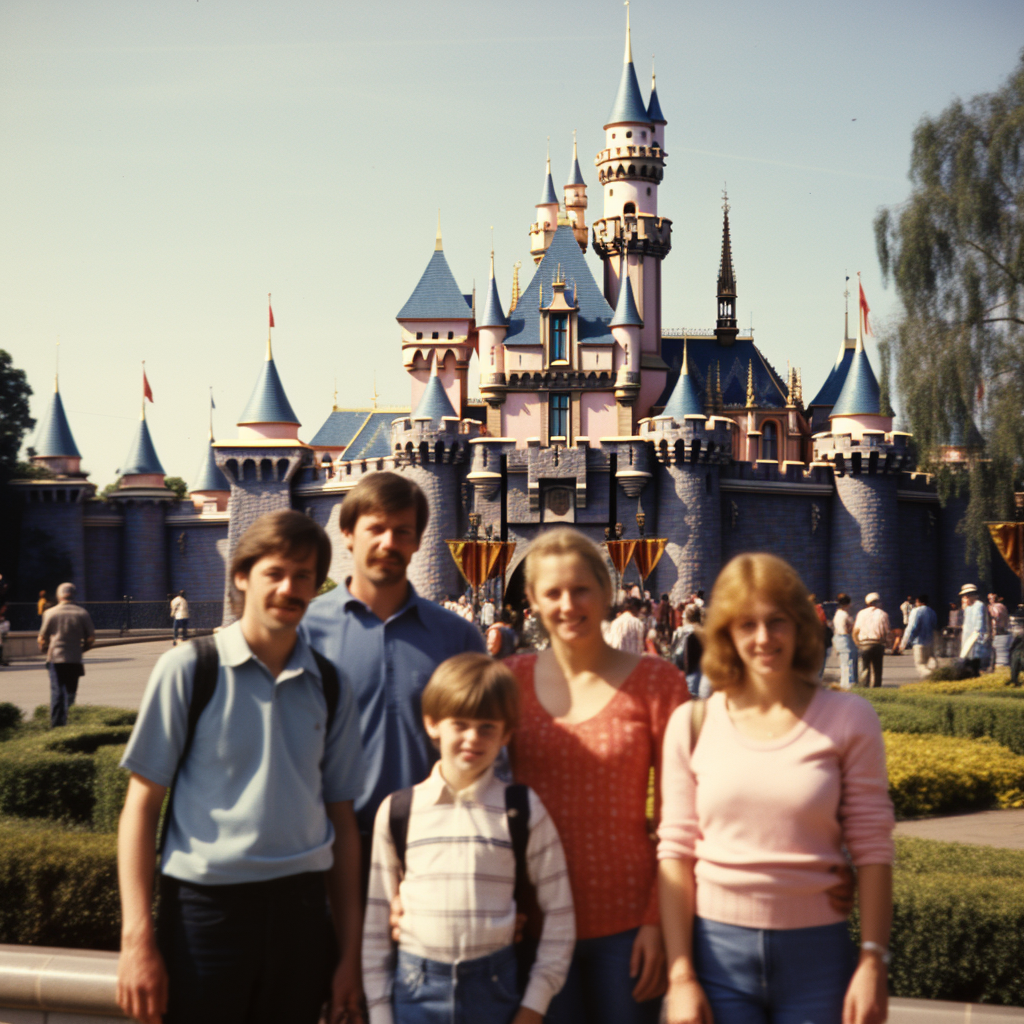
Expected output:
(974, 645)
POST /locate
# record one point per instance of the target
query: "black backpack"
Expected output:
(517, 808)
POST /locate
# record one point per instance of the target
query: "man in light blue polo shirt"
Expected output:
(260, 833)
(385, 639)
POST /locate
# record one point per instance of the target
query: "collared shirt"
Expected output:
(387, 665)
(457, 890)
(66, 625)
(179, 608)
(627, 633)
(249, 801)
(872, 625)
(842, 622)
(921, 628)
(1000, 617)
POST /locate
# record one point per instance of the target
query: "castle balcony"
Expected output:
(640, 233)
(645, 163)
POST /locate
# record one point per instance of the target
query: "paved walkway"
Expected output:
(983, 828)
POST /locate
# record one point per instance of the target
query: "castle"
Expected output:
(591, 411)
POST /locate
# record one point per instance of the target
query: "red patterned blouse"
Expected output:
(592, 777)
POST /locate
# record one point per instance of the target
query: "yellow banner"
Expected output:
(1007, 538)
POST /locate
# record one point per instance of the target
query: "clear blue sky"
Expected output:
(166, 165)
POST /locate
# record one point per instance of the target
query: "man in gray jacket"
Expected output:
(64, 636)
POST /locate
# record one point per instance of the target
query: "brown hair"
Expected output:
(472, 685)
(383, 492)
(564, 540)
(772, 579)
(284, 532)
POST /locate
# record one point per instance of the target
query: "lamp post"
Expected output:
(480, 560)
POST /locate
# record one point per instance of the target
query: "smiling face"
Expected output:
(468, 746)
(277, 590)
(382, 545)
(765, 639)
(568, 597)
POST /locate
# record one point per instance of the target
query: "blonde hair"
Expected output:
(771, 579)
(472, 685)
(564, 540)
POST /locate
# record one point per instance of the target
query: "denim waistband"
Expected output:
(461, 968)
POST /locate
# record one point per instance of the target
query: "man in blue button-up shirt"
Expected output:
(920, 635)
(384, 638)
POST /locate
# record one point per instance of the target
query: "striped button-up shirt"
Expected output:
(457, 901)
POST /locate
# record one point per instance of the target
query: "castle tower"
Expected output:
(55, 447)
(491, 329)
(631, 237)
(575, 190)
(210, 490)
(438, 329)
(725, 328)
(143, 499)
(625, 327)
(544, 228)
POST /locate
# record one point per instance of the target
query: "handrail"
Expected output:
(66, 980)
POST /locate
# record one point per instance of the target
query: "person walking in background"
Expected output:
(763, 797)
(920, 636)
(64, 636)
(953, 630)
(688, 649)
(42, 604)
(5, 628)
(627, 631)
(999, 616)
(179, 613)
(870, 630)
(975, 648)
(842, 642)
(487, 614)
(501, 638)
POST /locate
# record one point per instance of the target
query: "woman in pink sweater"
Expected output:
(755, 815)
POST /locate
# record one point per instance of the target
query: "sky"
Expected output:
(166, 166)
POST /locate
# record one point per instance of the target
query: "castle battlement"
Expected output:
(873, 452)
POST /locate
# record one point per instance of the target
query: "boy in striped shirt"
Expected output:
(455, 958)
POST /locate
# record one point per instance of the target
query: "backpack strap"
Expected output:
(331, 686)
(398, 822)
(517, 807)
(697, 716)
(204, 682)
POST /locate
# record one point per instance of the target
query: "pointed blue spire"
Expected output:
(268, 403)
(575, 176)
(494, 315)
(548, 195)
(654, 114)
(860, 395)
(684, 400)
(436, 295)
(626, 313)
(54, 437)
(142, 457)
(209, 477)
(434, 402)
(629, 104)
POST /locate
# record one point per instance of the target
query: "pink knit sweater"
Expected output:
(766, 820)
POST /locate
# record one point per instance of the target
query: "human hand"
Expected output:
(142, 981)
(840, 896)
(395, 918)
(524, 1015)
(685, 1003)
(867, 997)
(346, 992)
(647, 963)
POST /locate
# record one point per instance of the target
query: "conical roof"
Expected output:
(684, 400)
(54, 437)
(833, 386)
(209, 477)
(142, 457)
(575, 175)
(654, 114)
(548, 195)
(494, 315)
(726, 275)
(268, 403)
(436, 296)
(626, 313)
(629, 104)
(860, 395)
(434, 402)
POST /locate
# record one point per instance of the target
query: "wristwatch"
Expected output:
(878, 950)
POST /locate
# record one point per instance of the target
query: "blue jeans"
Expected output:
(64, 678)
(181, 624)
(771, 976)
(598, 989)
(846, 649)
(481, 991)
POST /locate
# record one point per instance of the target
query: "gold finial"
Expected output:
(549, 155)
(142, 416)
(515, 285)
(437, 242)
(492, 252)
(629, 49)
(375, 395)
(685, 371)
(750, 384)
(56, 367)
(799, 387)
(270, 319)
(654, 82)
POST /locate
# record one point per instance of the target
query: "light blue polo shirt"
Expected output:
(249, 799)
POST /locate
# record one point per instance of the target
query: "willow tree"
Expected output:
(955, 252)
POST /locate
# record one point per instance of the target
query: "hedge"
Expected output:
(997, 682)
(67, 774)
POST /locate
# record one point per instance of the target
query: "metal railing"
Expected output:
(124, 615)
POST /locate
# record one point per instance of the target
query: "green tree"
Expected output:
(955, 252)
(15, 420)
(176, 484)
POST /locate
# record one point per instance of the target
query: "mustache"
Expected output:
(289, 603)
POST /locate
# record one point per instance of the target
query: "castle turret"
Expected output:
(725, 328)
(55, 447)
(268, 413)
(575, 190)
(625, 327)
(544, 228)
(438, 329)
(491, 329)
(631, 237)
(210, 489)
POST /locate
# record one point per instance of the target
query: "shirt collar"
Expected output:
(349, 601)
(235, 651)
(437, 791)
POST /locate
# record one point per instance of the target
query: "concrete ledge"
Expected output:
(56, 984)
(933, 1011)
(23, 647)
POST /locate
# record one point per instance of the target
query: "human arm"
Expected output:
(685, 1000)
(910, 633)
(141, 974)
(493, 641)
(867, 996)
(343, 894)
(90, 634)
(378, 953)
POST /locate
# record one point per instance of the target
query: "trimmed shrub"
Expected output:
(10, 716)
(58, 887)
(109, 787)
(992, 682)
(945, 774)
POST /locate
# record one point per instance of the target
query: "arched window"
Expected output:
(632, 168)
(770, 441)
(629, 208)
(629, 135)
(559, 338)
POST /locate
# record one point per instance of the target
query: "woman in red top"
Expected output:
(592, 724)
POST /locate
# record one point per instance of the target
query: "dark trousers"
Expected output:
(64, 678)
(871, 658)
(1016, 664)
(181, 624)
(253, 953)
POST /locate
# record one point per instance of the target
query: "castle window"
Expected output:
(648, 189)
(559, 416)
(451, 334)
(643, 135)
(559, 338)
(611, 191)
(770, 441)
(632, 168)
(419, 335)
(613, 135)
(629, 135)
(434, 335)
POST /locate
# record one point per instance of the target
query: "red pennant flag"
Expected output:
(147, 391)
(864, 309)
(271, 308)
